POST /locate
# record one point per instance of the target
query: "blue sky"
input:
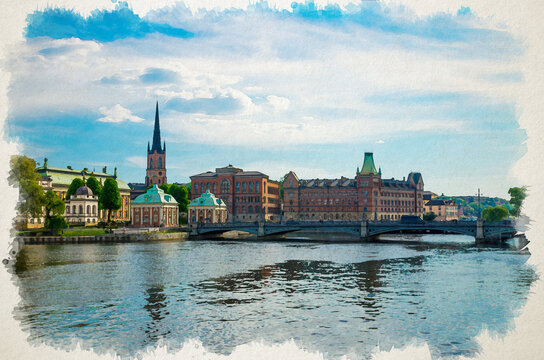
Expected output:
(301, 87)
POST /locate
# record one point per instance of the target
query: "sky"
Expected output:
(273, 88)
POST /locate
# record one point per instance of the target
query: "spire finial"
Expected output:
(157, 132)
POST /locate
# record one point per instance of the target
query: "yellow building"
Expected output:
(445, 210)
(61, 178)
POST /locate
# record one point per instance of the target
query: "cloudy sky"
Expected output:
(272, 88)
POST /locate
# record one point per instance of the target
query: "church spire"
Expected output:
(157, 132)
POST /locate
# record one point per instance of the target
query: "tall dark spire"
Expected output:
(157, 132)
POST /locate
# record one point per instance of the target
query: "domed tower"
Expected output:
(156, 156)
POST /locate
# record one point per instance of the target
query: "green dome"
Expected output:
(207, 199)
(155, 195)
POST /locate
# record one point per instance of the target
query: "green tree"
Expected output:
(430, 216)
(23, 175)
(76, 184)
(517, 195)
(165, 188)
(94, 185)
(181, 194)
(496, 213)
(55, 223)
(53, 205)
(110, 197)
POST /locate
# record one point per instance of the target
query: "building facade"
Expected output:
(155, 208)
(445, 210)
(61, 178)
(207, 209)
(156, 156)
(249, 195)
(366, 196)
(82, 208)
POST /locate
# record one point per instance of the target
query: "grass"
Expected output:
(83, 232)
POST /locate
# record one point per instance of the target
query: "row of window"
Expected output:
(246, 187)
(159, 163)
(90, 209)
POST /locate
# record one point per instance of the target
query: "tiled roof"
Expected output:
(155, 195)
(64, 176)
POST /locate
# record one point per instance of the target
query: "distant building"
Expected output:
(61, 178)
(428, 195)
(155, 208)
(366, 196)
(82, 208)
(445, 210)
(207, 209)
(155, 172)
(249, 195)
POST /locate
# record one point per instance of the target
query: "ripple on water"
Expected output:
(332, 298)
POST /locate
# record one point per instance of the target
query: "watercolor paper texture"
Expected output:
(449, 90)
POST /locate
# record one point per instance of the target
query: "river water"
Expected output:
(335, 298)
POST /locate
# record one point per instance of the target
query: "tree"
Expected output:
(76, 184)
(110, 197)
(94, 185)
(23, 174)
(496, 213)
(55, 223)
(53, 205)
(430, 216)
(181, 194)
(517, 195)
(165, 188)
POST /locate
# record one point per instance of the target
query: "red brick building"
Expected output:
(249, 195)
(365, 196)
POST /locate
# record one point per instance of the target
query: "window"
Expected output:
(250, 185)
(151, 163)
(195, 186)
(225, 186)
(88, 209)
(250, 209)
(201, 187)
(237, 187)
(207, 186)
(73, 209)
(290, 183)
(214, 187)
(68, 209)
(81, 209)
(243, 186)
(256, 186)
(160, 163)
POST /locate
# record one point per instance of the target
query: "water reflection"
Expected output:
(156, 307)
(332, 298)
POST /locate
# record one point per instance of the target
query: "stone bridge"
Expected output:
(366, 230)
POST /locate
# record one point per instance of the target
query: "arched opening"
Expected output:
(151, 163)
(160, 163)
(73, 209)
(225, 186)
(81, 209)
(88, 209)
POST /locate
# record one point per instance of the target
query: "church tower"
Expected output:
(156, 156)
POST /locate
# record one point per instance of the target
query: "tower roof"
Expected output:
(157, 133)
(368, 164)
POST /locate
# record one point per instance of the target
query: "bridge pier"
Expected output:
(480, 236)
(260, 230)
(194, 229)
(364, 230)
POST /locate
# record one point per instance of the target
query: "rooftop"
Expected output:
(155, 195)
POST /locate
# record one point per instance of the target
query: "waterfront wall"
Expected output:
(150, 236)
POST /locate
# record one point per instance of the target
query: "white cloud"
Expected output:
(380, 142)
(137, 161)
(117, 114)
(278, 103)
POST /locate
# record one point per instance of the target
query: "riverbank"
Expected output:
(115, 237)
